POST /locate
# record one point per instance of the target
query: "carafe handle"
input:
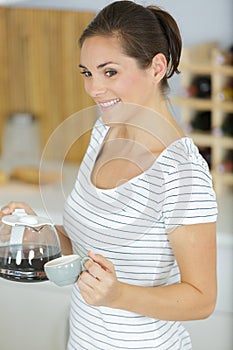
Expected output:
(19, 212)
(17, 231)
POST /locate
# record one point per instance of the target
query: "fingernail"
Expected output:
(6, 210)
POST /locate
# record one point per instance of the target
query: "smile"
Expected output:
(109, 103)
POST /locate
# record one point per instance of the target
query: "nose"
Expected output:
(95, 87)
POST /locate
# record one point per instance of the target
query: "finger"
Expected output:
(5, 211)
(84, 288)
(95, 269)
(102, 261)
(87, 279)
(88, 293)
(11, 206)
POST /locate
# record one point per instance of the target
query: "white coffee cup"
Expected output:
(65, 270)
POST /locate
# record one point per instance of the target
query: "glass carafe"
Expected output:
(27, 242)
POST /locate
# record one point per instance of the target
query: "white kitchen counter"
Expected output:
(33, 316)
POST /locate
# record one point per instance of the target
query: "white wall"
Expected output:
(199, 20)
(202, 20)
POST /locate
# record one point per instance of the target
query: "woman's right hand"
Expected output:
(11, 206)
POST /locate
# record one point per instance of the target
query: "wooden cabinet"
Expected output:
(39, 56)
(204, 60)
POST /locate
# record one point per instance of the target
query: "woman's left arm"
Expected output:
(194, 297)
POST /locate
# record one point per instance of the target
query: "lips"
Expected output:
(109, 103)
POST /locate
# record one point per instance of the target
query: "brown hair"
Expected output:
(142, 31)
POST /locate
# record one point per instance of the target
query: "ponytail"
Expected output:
(172, 34)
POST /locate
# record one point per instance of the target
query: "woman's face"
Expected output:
(114, 79)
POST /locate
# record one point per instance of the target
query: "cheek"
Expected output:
(127, 87)
(135, 80)
(129, 82)
(86, 85)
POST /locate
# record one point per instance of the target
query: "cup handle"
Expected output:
(83, 262)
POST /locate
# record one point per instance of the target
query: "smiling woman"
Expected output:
(143, 205)
(143, 201)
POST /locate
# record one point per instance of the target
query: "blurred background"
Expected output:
(40, 88)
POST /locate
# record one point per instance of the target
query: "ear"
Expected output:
(159, 67)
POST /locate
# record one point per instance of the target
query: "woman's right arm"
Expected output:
(65, 242)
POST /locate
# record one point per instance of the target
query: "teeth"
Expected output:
(110, 103)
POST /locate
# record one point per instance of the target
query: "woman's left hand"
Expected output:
(98, 284)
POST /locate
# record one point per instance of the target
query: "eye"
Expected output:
(111, 72)
(86, 73)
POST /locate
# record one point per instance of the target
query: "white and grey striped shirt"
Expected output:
(129, 225)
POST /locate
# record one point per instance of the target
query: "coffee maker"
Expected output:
(27, 242)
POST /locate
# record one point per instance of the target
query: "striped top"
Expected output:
(129, 225)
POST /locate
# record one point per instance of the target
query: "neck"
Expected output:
(150, 126)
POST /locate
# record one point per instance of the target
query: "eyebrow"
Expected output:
(102, 65)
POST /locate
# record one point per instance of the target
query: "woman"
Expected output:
(143, 205)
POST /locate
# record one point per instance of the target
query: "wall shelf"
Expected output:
(203, 60)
